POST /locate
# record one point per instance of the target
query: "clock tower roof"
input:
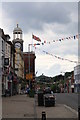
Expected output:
(17, 29)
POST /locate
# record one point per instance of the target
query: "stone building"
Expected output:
(7, 63)
(19, 62)
(5, 58)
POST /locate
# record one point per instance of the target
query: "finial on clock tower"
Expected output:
(17, 25)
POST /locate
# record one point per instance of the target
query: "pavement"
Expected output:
(22, 106)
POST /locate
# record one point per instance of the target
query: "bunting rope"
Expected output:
(60, 58)
(53, 41)
(60, 39)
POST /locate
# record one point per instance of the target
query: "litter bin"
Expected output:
(40, 99)
(31, 93)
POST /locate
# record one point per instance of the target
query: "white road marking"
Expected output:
(71, 109)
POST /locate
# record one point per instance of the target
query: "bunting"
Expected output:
(62, 39)
(58, 40)
(58, 57)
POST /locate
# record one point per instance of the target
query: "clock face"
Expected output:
(17, 45)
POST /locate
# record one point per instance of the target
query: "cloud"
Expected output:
(35, 15)
(67, 49)
(49, 21)
(52, 66)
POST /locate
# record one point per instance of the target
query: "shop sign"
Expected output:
(29, 76)
(6, 61)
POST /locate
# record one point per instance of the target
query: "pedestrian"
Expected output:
(27, 89)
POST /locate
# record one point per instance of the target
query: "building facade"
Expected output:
(29, 66)
(19, 61)
(12, 76)
(1, 61)
(77, 78)
(7, 64)
(4, 60)
(2, 55)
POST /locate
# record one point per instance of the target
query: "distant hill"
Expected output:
(44, 78)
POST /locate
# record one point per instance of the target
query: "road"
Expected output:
(70, 99)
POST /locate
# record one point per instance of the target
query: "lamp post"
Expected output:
(35, 113)
(29, 61)
(29, 58)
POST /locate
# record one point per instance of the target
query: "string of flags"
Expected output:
(60, 58)
(53, 41)
(60, 39)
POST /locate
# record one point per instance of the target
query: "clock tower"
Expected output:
(19, 61)
(17, 38)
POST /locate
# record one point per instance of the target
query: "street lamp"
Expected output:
(29, 61)
(35, 113)
(35, 78)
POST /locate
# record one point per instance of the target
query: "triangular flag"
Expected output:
(74, 37)
(44, 41)
(77, 36)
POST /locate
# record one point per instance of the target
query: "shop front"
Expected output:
(15, 82)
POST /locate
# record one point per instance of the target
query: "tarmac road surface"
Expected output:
(69, 99)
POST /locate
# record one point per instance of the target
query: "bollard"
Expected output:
(78, 112)
(43, 115)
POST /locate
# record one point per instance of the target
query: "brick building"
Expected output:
(29, 66)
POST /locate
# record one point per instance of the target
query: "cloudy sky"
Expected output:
(49, 21)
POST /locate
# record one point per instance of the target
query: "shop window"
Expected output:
(2, 46)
